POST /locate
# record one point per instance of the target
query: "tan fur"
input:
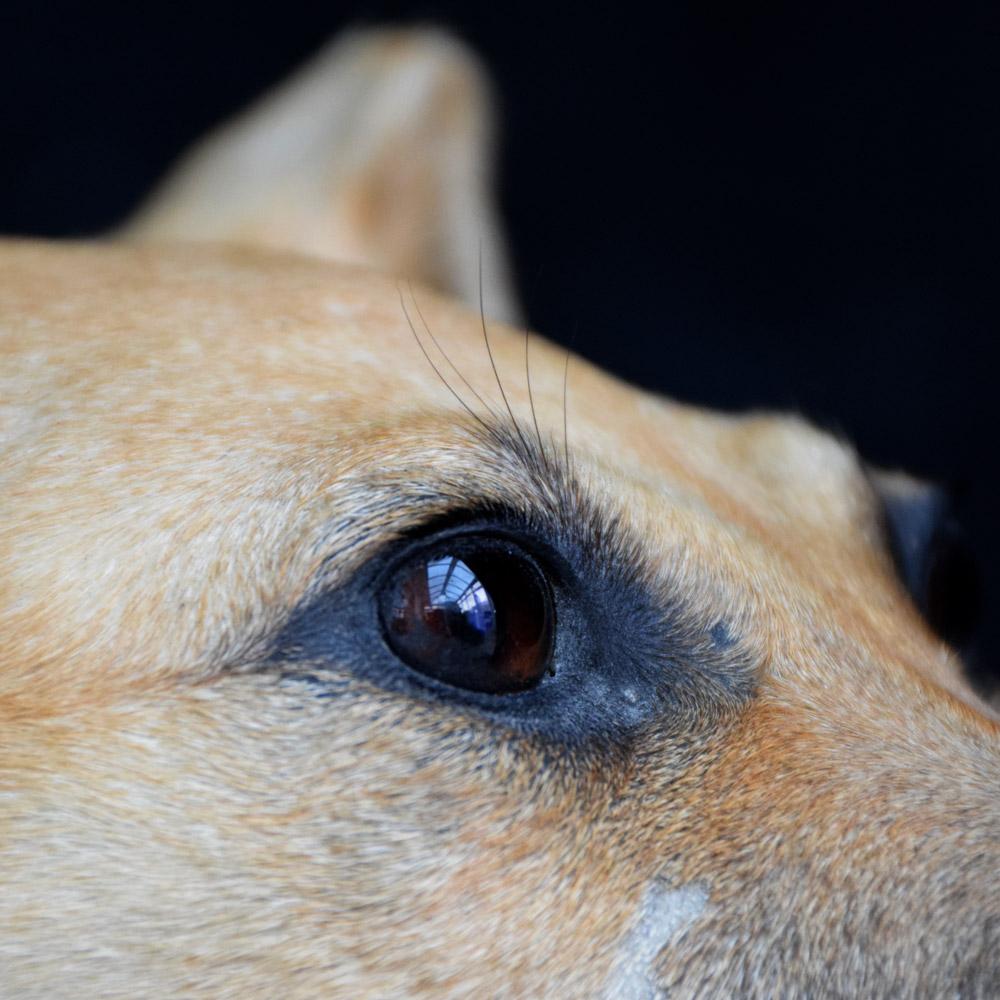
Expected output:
(196, 439)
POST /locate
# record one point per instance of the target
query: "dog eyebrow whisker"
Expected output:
(503, 431)
(430, 333)
(565, 420)
(437, 371)
(489, 351)
(531, 397)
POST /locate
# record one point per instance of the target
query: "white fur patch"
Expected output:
(663, 915)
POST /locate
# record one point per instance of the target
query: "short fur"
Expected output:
(203, 443)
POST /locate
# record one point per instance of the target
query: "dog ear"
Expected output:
(378, 152)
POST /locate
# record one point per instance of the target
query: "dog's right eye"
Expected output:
(541, 628)
(931, 555)
(475, 613)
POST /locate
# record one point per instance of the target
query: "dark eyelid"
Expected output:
(475, 470)
(526, 530)
(630, 649)
(627, 651)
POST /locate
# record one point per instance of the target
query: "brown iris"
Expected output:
(476, 615)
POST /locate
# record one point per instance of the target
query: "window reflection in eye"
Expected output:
(448, 598)
(478, 616)
(450, 581)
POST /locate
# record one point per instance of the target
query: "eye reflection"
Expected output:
(447, 598)
(478, 616)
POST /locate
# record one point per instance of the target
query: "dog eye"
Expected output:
(475, 613)
(932, 556)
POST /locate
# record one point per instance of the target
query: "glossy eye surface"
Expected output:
(932, 557)
(475, 613)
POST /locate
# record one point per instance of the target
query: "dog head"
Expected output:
(355, 645)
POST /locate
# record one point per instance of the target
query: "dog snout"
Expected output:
(870, 838)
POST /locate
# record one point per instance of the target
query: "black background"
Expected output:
(739, 205)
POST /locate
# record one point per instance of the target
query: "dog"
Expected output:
(359, 644)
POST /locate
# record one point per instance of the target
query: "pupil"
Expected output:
(477, 617)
